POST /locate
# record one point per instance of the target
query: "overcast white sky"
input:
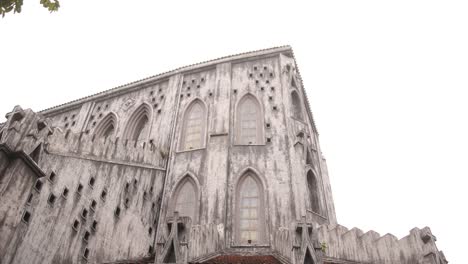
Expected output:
(387, 82)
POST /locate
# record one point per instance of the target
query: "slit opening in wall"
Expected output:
(79, 189)
(309, 158)
(52, 177)
(35, 154)
(94, 225)
(38, 185)
(76, 225)
(84, 214)
(86, 254)
(51, 199)
(65, 193)
(293, 83)
(117, 212)
(308, 258)
(92, 180)
(86, 236)
(28, 202)
(103, 195)
(26, 217)
(93, 205)
(170, 255)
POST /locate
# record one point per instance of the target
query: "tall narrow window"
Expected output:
(296, 105)
(249, 121)
(185, 200)
(249, 211)
(313, 192)
(193, 132)
(106, 127)
(138, 124)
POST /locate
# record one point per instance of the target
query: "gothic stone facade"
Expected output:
(217, 162)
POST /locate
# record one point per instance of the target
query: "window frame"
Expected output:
(238, 141)
(188, 178)
(263, 240)
(295, 108)
(183, 127)
(133, 121)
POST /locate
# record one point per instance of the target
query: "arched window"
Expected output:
(296, 105)
(250, 218)
(249, 121)
(185, 200)
(193, 132)
(107, 126)
(138, 124)
(313, 192)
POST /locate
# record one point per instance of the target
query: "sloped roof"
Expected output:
(164, 75)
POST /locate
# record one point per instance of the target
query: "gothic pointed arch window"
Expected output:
(138, 124)
(185, 199)
(296, 105)
(313, 192)
(194, 126)
(250, 217)
(107, 126)
(249, 122)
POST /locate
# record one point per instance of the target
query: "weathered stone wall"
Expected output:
(58, 179)
(358, 247)
(279, 161)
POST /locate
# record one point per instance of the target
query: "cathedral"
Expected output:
(216, 162)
